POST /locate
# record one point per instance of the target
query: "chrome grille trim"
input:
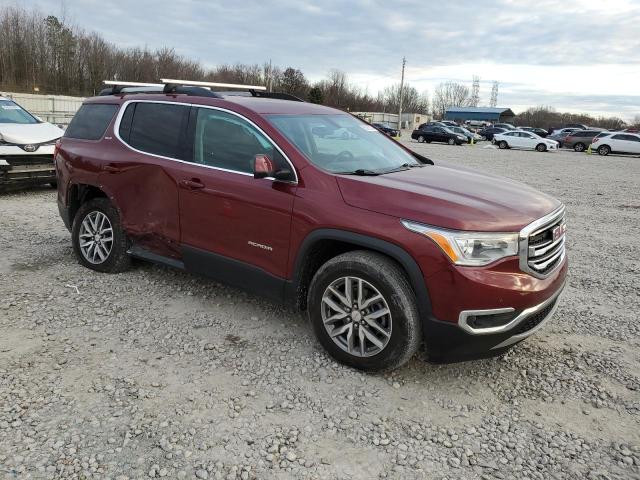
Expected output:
(542, 259)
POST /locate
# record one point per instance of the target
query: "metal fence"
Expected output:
(56, 109)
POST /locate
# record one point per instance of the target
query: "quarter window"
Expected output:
(229, 142)
(91, 121)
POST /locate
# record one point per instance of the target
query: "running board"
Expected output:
(144, 254)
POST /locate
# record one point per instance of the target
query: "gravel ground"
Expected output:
(156, 373)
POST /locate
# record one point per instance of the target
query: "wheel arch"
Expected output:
(79, 193)
(324, 244)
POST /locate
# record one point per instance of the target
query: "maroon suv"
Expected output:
(385, 249)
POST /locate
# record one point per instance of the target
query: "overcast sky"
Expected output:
(576, 55)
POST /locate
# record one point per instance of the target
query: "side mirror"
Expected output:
(263, 166)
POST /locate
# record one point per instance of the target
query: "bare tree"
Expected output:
(412, 101)
(449, 94)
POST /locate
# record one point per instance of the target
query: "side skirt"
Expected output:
(233, 272)
(144, 254)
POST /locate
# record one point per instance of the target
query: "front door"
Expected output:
(233, 227)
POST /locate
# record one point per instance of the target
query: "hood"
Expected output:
(451, 197)
(23, 134)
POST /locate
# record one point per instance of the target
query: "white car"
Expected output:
(525, 140)
(26, 147)
(616, 142)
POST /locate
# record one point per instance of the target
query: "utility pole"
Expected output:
(404, 61)
(494, 95)
(269, 77)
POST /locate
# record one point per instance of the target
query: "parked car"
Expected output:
(616, 142)
(560, 135)
(506, 126)
(448, 123)
(579, 126)
(579, 140)
(524, 140)
(469, 135)
(383, 248)
(489, 132)
(435, 133)
(477, 123)
(541, 132)
(386, 128)
(26, 147)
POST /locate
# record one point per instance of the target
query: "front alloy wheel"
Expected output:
(356, 316)
(363, 311)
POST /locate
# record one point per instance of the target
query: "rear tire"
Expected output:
(451, 141)
(420, 139)
(604, 150)
(579, 147)
(541, 147)
(108, 256)
(503, 145)
(398, 334)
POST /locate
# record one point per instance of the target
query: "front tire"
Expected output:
(98, 239)
(363, 311)
(451, 141)
(541, 147)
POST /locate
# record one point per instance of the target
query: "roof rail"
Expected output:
(118, 87)
(193, 83)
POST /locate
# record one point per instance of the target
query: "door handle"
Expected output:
(193, 184)
(111, 169)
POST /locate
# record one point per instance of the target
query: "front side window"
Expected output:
(351, 146)
(226, 141)
(11, 112)
(155, 128)
(91, 121)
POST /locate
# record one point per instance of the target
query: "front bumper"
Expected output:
(19, 168)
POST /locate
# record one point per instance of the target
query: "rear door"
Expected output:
(234, 228)
(140, 175)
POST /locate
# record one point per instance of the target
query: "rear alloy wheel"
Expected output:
(451, 141)
(502, 145)
(604, 150)
(98, 239)
(420, 139)
(541, 147)
(363, 311)
(579, 147)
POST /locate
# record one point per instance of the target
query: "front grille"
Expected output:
(534, 319)
(542, 246)
(19, 160)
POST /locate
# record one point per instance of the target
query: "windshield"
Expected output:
(342, 143)
(13, 113)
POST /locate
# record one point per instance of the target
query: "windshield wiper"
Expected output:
(361, 171)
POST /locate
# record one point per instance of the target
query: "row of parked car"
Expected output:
(504, 135)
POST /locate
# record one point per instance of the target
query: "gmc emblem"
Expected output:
(559, 231)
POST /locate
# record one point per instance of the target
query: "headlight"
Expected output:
(469, 248)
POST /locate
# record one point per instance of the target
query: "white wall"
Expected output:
(57, 109)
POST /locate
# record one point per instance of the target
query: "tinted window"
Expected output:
(158, 128)
(629, 138)
(91, 121)
(227, 141)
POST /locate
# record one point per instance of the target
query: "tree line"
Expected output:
(45, 53)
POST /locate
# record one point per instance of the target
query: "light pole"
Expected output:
(404, 61)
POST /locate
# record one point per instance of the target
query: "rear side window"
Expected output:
(156, 128)
(91, 121)
(628, 138)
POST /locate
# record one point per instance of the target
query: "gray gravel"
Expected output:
(156, 373)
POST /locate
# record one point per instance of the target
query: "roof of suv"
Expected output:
(256, 104)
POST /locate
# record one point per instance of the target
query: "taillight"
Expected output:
(595, 140)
